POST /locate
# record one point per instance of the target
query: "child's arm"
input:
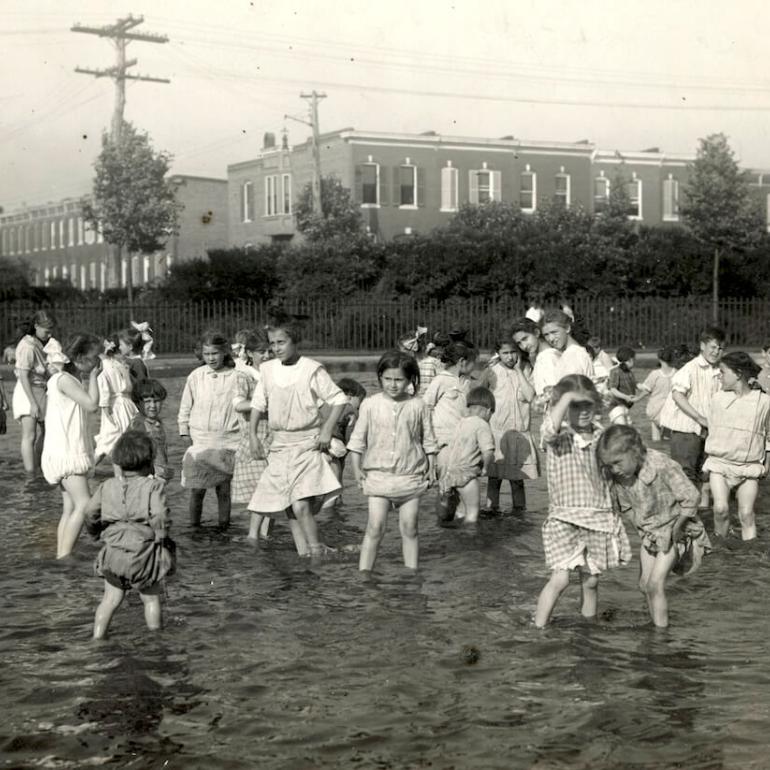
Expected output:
(323, 385)
(680, 388)
(429, 443)
(358, 441)
(89, 399)
(159, 520)
(560, 409)
(486, 441)
(255, 445)
(526, 390)
(93, 514)
(185, 408)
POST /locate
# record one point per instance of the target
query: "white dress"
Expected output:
(67, 446)
(115, 389)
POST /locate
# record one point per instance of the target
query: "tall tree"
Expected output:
(718, 208)
(340, 215)
(133, 204)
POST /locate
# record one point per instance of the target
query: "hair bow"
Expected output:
(54, 353)
(412, 344)
(238, 349)
(109, 346)
(146, 331)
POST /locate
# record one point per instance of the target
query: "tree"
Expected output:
(340, 215)
(134, 204)
(718, 208)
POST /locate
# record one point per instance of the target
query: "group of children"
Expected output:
(269, 430)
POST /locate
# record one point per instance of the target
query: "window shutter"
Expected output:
(420, 186)
(395, 189)
(497, 177)
(384, 185)
(358, 185)
(473, 184)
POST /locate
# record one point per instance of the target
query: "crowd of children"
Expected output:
(269, 431)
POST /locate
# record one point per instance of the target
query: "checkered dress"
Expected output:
(248, 470)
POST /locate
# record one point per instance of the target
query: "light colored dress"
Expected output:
(248, 470)
(515, 453)
(575, 359)
(395, 439)
(658, 385)
(472, 439)
(697, 381)
(429, 368)
(207, 415)
(296, 469)
(67, 449)
(544, 375)
(29, 357)
(157, 432)
(115, 388)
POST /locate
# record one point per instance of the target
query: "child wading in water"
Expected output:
(582, 530)
(658, 386)
(416, 345)
(393, 452)
(298, 477)
(738, 442)
(622, 390)
(132, 514)
(207, 417)
(149, 396)
(661, 502)
(68, 449)
(515, 454)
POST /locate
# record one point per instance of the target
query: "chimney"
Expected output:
(268, 141)
(284, 139)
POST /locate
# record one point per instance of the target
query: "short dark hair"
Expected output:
(624, 354)
(134, 451)
(292, 328)
(395, 359)
(251, 340)
(41, 317)
(455, 351)
(622, 439)
(78, 346)
(351, 387)
(667, 355)
(576, 383)
(150, 388)
(481, 396)
(742, 364)
(559, 317)
(708, 333)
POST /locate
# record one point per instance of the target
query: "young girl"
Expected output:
(415, 344)
(515, 454)
(738, 442)
(115, 393)
(28, 399)
(559, 333)
(622, 390)
(582, 531)
(661, 502)
(67, 450)
(207, 418)
(470, 454)
(149, 396)
(658, 385)
(539, 359)
(298, 477)
(140, 336)
(393, 452)
(131, 513)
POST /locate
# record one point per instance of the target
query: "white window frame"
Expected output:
(92, 275)
(4, 241)
(53, 236)
(528, 172)
(80, 231)
(71, 232)
(450, 177)
(286, 193)
(271, 195)
(413, 205)
(61, 233)
(567, 197)
(46, 276)
(606, 197)
(376, 186)
(247, 198)
(495, 190)
(145, 270)
(99, 234)
(673, 214)
(123, 271)
(74, 274)
(638, 182)
(103, 276)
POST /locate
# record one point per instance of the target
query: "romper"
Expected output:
(29, 356)
(115, 390)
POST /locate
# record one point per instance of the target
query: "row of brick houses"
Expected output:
(404, 184)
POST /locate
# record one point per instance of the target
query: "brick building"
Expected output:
(56, 243)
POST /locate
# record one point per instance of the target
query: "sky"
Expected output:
(625, 76)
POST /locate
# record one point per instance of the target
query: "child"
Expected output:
(738, 442)
(658, 385)
(470, 454)
(249, 350)
(140, 336)
(393, 453)
(149, 396)
(582, 531)
(67, 450)
(415, 344)
(297, 476)
(763, 378)
(131, 512)
(515, 454)
(207, 418)
(115, 393)
(622, 390)
(661, 502)
(601, 358)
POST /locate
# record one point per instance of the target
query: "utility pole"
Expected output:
(120, 34)
(314, 97)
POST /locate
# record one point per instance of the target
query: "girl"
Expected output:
(149, 396)
(28, 399)
(515, 454)
(67, 450)
(141, 339)
(131, 512)
(622, 390)
(115, 393)
(539, 359)
(415, 344)
(581, 531)
(393, 451)
(574, 359)
(738, 442)
(207, 418)
(470, 454)
(297, 477)
(661, 502)
(445, 396)
(658, 385)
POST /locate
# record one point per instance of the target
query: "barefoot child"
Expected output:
(416, 344)
(658, 385)
(298, 477)
(68, 447)
(661, 502)
(131, 513)
(149, 396)
(582, 531)
(622, 390)
(393, 450)
(738, 443)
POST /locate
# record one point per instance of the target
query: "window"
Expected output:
(80, 231)
(74, 274)
(90, 236)
(561, 195)
(277, 195)
(123, 271)
(103, 276)
(670, 199)
(99, 233)
(61, 233)
(3, 242)
(83, 278)
(247, 202)
(370, 184)
(92, 274)
(271, 196)
(601, 194)
(145, 270)
(528, 190)
(286, 188)
(71, 239)
(484, 186)
(46, 276)
(449, 194)
(407, 185)
(634, 190)
(53, 235)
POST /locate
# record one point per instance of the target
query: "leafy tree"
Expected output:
(718, 208)
(340, 215)
(14, 279)
(133, 204)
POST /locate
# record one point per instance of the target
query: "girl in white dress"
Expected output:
(542, 359)
(67, 450)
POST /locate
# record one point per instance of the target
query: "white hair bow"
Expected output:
(54, 353)
(412, 344)
(146, 331)
(109, 346)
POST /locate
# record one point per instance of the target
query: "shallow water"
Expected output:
(270, 661)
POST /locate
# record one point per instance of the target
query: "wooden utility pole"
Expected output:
(314, 97)
(120, 34)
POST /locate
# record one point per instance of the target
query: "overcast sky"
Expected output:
(625, 75)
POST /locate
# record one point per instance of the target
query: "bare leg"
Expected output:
(550, 594)
(721, 494)
(151, 610)
(518, 495)
(655, 570)
(747, 496)
(589, 586)
(223, 504)
(254, 525)
(196, 506)
(470, 496)
(303, 512)
(69, 528)
(110, 602)
(375, 531)
(407, 524)
(68, 505)
(493, 493)
(655, 431)
(28, 434)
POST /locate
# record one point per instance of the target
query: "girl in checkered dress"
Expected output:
(581, 531)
